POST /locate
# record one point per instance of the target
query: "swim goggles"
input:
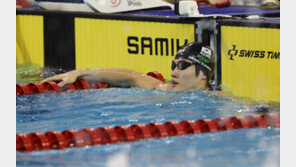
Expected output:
(182, 65)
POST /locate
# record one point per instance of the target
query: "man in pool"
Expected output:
(192, 68)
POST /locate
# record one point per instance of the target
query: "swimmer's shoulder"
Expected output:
(220, 92)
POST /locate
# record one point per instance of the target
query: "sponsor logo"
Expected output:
(200, 62)
(115, 3)
(203, 59)
(156, 46)
(232, 52)
(244, 53)
(134, 3)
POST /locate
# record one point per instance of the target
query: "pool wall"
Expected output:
(248, 51)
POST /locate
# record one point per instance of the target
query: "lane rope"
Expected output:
(47, 87)
(50, 140)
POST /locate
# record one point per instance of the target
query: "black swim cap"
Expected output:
(199, 54)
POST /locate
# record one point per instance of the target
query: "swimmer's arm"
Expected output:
(110, 75)
(122, 77)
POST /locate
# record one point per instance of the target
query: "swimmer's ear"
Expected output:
(202, 75)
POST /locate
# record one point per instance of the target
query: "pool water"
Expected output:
(125, 106)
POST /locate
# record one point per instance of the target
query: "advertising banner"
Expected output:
(250, 62)
(137, 45)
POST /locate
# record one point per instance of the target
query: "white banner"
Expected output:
(113, 6)
(103, 6)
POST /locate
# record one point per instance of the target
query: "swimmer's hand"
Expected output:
(64, 79)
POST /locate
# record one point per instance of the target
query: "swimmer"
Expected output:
(192, 68)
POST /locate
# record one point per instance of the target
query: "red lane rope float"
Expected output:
(39, 141)
(222, 124)
(23, 143)
(156, 75)
(81, 84)
(271, 120)
(140, 131)
(206, 125)
(56, 140)
(36, 88)
(190, 127)
(239, 122)
(51, 87)
(109, 135)
(69, 136)
(22, 89)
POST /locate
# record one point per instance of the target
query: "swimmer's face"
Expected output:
(186, 79)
